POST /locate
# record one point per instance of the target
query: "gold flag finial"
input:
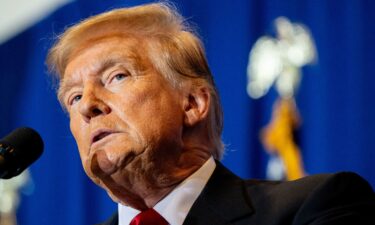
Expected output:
(277, 62)
(278, 137)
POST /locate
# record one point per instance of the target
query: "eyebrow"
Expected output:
(105, 64)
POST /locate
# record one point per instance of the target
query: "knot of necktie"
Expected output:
(149, 217)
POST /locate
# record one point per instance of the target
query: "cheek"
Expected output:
(161, 120)
(150, 114)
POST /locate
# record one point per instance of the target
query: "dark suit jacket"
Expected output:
(342, 198)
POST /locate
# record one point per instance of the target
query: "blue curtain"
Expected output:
(335, 98)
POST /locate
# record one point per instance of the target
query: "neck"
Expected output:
(189, 162)
(144, 183)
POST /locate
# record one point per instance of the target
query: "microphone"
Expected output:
(18, 150)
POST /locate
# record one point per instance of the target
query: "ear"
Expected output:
(196, 106)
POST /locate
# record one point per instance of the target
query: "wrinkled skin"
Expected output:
(138, 136)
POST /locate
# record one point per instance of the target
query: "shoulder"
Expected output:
(345, 195)
(342, 181)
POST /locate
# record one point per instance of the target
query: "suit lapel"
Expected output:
(223, 200)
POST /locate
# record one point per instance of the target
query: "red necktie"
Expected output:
(149, 217)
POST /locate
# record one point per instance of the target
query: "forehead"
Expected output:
(97, 54)
(99, 51)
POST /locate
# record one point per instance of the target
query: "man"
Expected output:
(146, 117)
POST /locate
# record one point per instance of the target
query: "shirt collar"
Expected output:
(176, 205)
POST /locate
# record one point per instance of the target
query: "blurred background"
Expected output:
(334, 101)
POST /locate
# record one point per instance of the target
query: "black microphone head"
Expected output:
(18, 150)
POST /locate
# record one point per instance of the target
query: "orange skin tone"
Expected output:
(138, 136)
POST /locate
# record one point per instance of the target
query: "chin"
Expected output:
(98, 165)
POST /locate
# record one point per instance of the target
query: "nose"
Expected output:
(93, 104)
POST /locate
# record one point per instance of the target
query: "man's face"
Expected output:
(126, 118)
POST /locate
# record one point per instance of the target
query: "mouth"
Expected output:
(99, 135)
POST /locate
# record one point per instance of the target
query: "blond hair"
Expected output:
(172, 47)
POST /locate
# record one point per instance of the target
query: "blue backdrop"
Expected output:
(336, 97)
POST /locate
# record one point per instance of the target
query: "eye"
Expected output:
(75, 99)
(117, 77)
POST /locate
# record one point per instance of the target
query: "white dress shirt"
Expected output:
(176, 205)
